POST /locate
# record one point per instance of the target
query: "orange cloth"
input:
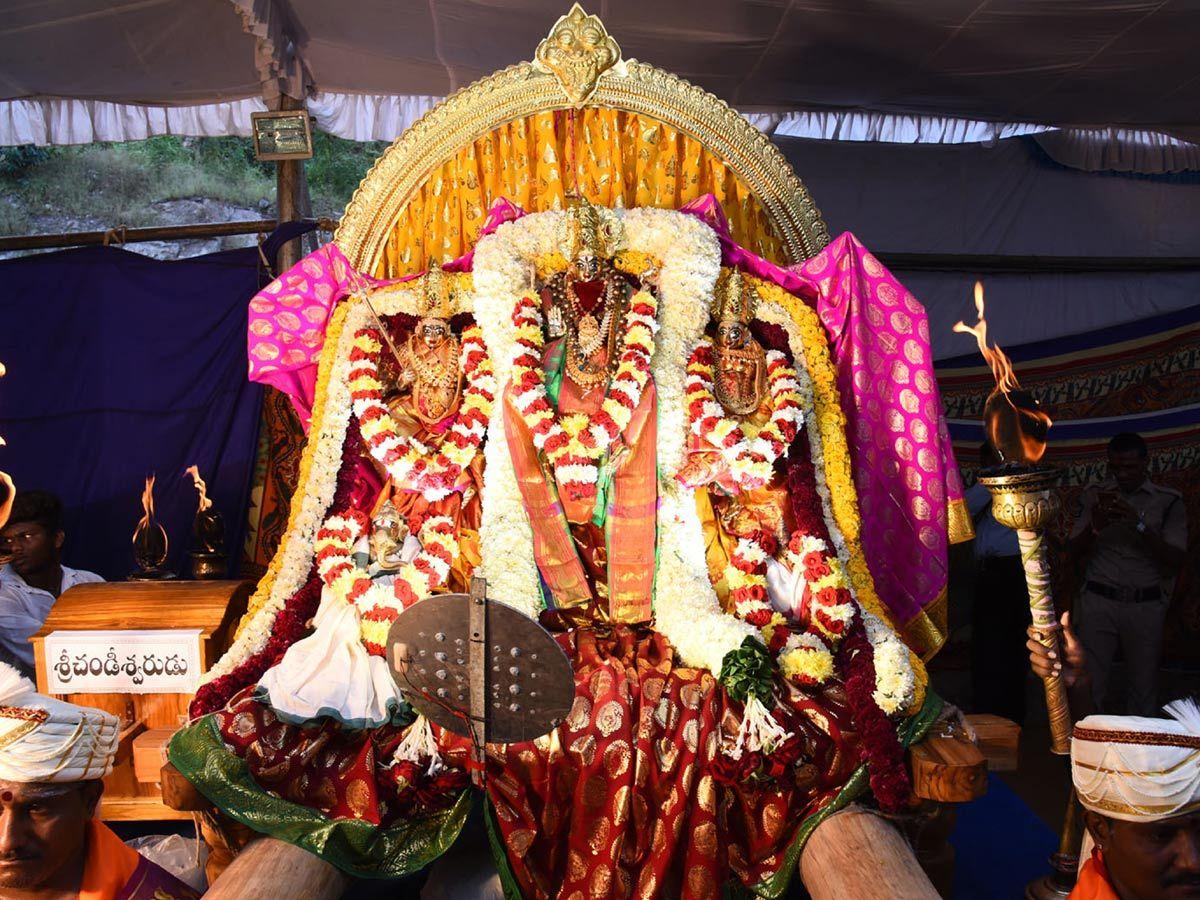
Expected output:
(110, 864)
(1093, 883)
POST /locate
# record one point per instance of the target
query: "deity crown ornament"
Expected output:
(735, 298)
(436, 299)
(591, 230)
(577, 51)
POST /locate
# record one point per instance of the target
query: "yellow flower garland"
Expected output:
(325, 366)
(831, 424)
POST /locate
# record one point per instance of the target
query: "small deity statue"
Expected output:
(429, 363)
(741, 363)
(589, 297)
(388, 534)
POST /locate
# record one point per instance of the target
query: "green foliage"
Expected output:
(119, 184)
(746, 671)
(336, 169)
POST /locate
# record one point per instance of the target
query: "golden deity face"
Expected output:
(434, 332)
(733, 334)
(577, 51)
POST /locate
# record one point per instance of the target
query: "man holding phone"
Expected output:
(1132, 536)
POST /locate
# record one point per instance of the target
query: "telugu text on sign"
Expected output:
(164, 661)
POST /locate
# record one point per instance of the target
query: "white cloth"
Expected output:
(330, 673)
(1139, 769)
(43, 739)
(23, 609)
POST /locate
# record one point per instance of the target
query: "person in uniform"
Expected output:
(52, 757)
(1139, 783)
(1132, 537)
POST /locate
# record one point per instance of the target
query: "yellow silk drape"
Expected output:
(620, 159)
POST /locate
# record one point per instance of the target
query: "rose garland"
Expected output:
(411, 465)
(575, 444)
(750, 453)
(379, 604)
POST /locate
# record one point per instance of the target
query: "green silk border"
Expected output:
(356, 847)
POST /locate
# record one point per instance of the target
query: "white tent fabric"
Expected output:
(1129, 65)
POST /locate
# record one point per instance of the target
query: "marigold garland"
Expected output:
(750, 453)
(377, 603)
(575, 444)
(431, 471)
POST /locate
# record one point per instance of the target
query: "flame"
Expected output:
(194, 471)
(147, 508)
(1018, 434)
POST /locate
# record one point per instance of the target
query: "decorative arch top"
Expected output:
(578, 65)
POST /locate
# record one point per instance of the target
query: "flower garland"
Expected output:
(411, 465)
(746, 575)
(575, 444)
(825, 424)
(316, 483)
(750, 453)
(379, 604)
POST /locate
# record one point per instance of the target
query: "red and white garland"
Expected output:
(750, 453)
(827, 607)
(575, 444)
(411, 465)
(379, 604)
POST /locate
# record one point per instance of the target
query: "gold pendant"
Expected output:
(589, 334)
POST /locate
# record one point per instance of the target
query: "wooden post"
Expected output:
(857, 855)
(289, 175)
(274, 868)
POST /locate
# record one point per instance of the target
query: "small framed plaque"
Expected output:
(282, 134)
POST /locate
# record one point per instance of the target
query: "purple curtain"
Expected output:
(119, 366)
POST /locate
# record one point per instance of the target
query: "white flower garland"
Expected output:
(314, 496)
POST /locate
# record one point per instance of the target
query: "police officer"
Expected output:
(1132, 536)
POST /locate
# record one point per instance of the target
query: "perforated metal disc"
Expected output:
(524, 678)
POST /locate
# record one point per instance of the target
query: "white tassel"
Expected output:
(418, 745)
(758, 732)
(1186, 713)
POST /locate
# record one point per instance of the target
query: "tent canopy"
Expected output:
(1130, 65)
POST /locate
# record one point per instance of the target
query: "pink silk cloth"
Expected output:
(910, 493)
(288, 318)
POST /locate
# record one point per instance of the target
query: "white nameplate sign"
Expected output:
(165, 661)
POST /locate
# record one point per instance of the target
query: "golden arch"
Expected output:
(530, 88)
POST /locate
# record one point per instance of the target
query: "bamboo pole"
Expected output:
(121, 235)
(289, 173)
(857, 855)
(272, 868)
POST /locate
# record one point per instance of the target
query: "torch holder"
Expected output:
(1025, 500)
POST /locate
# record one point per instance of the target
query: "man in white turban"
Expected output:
(1139, 781)
(52, 757)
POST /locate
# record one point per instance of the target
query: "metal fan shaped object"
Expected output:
(480, 669)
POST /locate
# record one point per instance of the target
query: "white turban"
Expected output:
(1139, 769)
(43, 739)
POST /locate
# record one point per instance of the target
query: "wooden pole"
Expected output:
(121, 235)
(858, 855)
(273, 868)
(289, 173)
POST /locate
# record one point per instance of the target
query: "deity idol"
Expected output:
(584, 403)
(424, 436)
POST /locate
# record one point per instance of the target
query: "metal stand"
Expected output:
(1065, 863)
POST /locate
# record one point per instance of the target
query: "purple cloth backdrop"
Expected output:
(119, 366)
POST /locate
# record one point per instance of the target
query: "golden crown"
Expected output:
(736, 297)
(437, 297)
(591, 228)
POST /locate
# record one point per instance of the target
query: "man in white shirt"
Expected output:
(35, 576)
